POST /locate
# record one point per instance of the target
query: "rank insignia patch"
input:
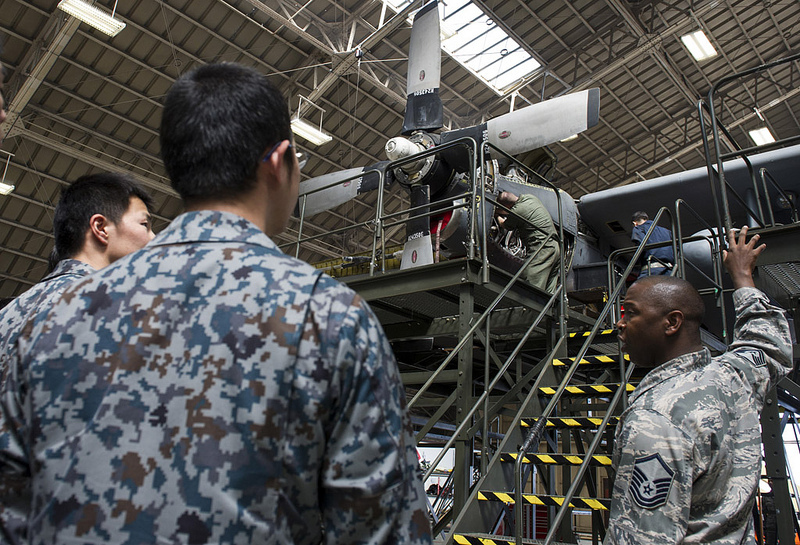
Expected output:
(755, 356)
(651, 481)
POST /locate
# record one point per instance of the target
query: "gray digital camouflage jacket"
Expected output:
(15, 496)
(688, 448)
(211, 389)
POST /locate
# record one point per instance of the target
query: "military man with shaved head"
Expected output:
(688, 448)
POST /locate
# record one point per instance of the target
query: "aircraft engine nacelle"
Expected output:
(505, 249)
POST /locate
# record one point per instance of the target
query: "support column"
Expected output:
(775, 460)
(462, 472)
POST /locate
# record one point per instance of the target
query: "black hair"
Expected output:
(640, 215)
(106, 193)
(669, 293)
(218, 121)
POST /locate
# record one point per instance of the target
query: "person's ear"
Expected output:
(274, 161)
(673, 322)
(98, 226)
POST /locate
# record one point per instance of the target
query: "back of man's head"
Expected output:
(217, 123)
(639, 216)
(106, 193)
(668, 293)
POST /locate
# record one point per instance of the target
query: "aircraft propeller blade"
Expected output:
(546, 122)
(423, 104)
(338, 188)
(418, 249)
(529, 128)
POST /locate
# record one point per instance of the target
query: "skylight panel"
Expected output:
(476, 42)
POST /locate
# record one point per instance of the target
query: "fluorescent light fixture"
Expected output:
(93, 16)
(699, 45)
(568, 138)
(5, 188)
(762, 136)
(304, 129)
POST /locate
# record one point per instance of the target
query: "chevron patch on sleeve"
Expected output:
(755, 356)
(651, 481)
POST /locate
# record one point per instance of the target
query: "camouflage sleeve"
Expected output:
(15, 494)
(762, 344)
(653, 485)
(371, 487)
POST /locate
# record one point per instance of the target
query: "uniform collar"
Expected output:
(670, 369)
(211, 226)
(69, 266)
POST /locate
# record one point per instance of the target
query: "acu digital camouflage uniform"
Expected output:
(688, 448)
(543, 270)
(14, 491)
(210, 389)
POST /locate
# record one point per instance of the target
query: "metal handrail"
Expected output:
(534, 436)
(716, 262)
(767, 177)
(379, 220)
(715, 126)
(382, 221)
(494, 382)
(720, 179)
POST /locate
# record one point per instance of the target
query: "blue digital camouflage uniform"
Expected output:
(543, 270)
(14, 491)
(210, 389)
(688, 448)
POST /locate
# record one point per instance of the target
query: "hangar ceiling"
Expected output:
(81, 102)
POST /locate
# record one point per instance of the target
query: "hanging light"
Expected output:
(93, 16)
(308, 131)
(6, 188)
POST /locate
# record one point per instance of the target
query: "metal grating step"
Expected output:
(558, 459)
(491, 539)
(589, 390)
(584, 422)
(589, 360)
(601, 335)
(596, 504)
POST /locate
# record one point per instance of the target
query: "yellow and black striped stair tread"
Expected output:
(590, 360)
(603, 333)
(584, 422)
(597, 504)
(555, 458)
(491, 539)
(588, 390)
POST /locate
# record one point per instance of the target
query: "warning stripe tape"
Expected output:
(587, 389)
(597, 504)
(560, 459)
(589, 360)
(585, 422)
(586, 333)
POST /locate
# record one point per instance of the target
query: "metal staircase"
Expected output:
(526, 391)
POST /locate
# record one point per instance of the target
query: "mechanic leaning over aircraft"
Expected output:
(535, 227)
